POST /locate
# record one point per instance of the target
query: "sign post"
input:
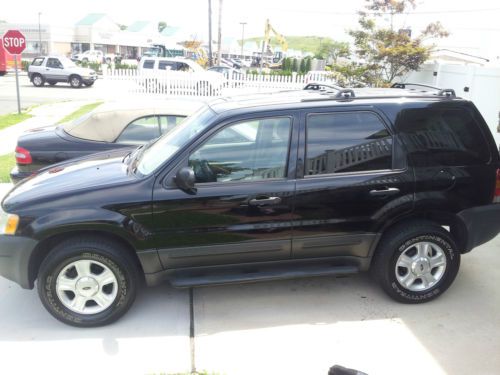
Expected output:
(14, 42)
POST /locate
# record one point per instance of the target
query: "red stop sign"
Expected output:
(14, 42)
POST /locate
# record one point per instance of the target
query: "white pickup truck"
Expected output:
(96, 56)
(54, 69)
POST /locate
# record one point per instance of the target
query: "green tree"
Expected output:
(161, 26)
(388, 53)
(308, 64)
(287, 64)
(295, 65)
(302, 67)
(333, 50)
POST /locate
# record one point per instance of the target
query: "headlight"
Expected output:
(8, 223)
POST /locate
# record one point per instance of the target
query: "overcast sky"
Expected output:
(474, 25)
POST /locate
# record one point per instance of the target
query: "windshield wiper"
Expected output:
(134, 160)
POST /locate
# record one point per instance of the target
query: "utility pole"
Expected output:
(39, 35)
(219, 36)
(210, 57)
(242, 37)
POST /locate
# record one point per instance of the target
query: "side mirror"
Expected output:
(185, 180)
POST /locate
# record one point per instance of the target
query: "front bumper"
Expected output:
(482, 224)
(15, 253)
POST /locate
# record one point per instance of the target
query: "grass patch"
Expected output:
(12, 119)
(7, 162)
(80, 112)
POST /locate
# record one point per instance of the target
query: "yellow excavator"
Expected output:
(278, 56)
(196, 52)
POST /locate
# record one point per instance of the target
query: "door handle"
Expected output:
(382, 192)
(264, 201)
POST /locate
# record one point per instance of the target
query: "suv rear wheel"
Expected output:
(87, 283)
(38, 80)
(416, 262)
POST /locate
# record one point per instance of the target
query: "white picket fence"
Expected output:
(173, 83)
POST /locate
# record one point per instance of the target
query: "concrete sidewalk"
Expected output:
(44, 115)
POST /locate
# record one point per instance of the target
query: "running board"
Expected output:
(186, 281)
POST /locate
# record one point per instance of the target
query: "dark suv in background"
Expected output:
(321, 182)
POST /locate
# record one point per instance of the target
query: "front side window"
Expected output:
(246, 151)
(346, 142)
(140, 131)
(166, 65)
(148, 64)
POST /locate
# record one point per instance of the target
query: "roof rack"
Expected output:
(449, 93)
(319, 86)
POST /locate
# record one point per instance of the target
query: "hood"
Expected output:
(70, 178)
(83, 71)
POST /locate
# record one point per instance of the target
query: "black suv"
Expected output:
(318, 182)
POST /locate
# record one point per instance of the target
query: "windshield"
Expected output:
(153, 52)
(67, 63)
(170, 143)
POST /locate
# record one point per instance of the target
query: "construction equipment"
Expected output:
(276, 60)
(196, 52)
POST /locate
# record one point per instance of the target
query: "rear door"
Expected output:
(355, 179)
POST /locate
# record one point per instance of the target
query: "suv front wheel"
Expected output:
(88, 282)
(416, 262)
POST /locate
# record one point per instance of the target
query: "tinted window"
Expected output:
(54, 63)
(262, 155)
(347, 142)
(140, 131)
(148, 64)
(168, 122)
(162, 65)
(38, 61)
(443, 136)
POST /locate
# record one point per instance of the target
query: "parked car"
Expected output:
(96, 56)
(399, 182)
(226, 71)
(110, 126)
(200, 82)
(54, 69)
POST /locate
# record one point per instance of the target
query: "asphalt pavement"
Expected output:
(31, 95)
(287, 327)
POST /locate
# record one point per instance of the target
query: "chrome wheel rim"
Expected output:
(75, 81)
(86, 287)
(37, 80)
(420, 266)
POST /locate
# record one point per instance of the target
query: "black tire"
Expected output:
(85, 60)
(401, 238)
(37, 80)
(2, 73)
(75, 81)
(88, 84)
(101, 250)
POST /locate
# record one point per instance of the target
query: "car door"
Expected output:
(55, 70)
(355, 179)
(242, 209)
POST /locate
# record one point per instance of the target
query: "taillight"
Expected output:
(23, 156)
(496, 198)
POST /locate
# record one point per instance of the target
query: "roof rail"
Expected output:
(345, 94)
(449, 93)
(319, 86)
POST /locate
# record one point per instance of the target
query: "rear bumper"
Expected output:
(482, 224)
(16, 175)
(15, 253)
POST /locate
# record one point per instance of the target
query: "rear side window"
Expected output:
(38, 61)
(346, 142)
(148, 64)
(163, 65)
(449, 136)
(140, 131)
